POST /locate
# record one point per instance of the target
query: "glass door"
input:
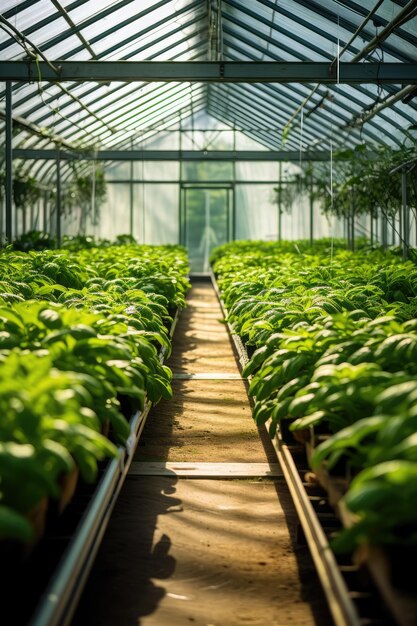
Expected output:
(206, 215)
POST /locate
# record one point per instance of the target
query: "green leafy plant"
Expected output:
(80, 336)
(335, 341)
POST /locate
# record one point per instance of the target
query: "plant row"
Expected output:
(333, 337)
(80, 337)
(40, 240)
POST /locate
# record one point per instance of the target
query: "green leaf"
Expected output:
(11, 316)
(50, 318)
(300, 404)
(309, 420)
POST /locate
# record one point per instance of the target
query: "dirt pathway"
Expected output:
(207, 552)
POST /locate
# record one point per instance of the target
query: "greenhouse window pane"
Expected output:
(43, 9)
(156, 170)
(156, 219)
(89, 9)
(255, 214)
(44, 34)
(119, 170)
(244, 142)
(8, 5)
(257, 171)
(163, 141)
(199, 171)
(133, 22)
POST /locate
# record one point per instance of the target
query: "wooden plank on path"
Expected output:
(206, 376)
(205, 470)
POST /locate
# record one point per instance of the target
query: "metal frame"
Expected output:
(233, 44)
(340, 604)
(250, 45)
(233, 21)
(335, 110)
(9, 165)
(210, 71)
(174, 155)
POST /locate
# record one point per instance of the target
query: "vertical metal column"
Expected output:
(384, 231)
(234, 187)
(181, 194)
(45, 212)
(228, 214)
(131, 193)
(32, 215)
(9, 164)
(206, 265)
(406, 216)
(143, 196)
(400, 218)
(184, 233)
(352, 217)
(311, 210)
(58, 200)
(280, 201)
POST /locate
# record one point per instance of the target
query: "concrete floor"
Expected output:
(206, 552)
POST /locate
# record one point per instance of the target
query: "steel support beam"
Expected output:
(58, 201)
(131, 196)
(175, 155)
(279, 207)
(209, 71)
(384, 231)
(405, 216)
(9, 164)
(311, 199)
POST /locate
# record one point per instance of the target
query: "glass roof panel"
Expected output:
(268, 30)
(23, 20)
(93, 9)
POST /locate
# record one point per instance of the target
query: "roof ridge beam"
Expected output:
(209, 71)
(176, 155)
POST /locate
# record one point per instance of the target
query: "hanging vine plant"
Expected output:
(364, 182)
(88, 192)
(26, 191)
(287, 192)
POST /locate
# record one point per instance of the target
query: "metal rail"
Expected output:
(209, 71)
(237, 342)
(60, 599)
(334, 586)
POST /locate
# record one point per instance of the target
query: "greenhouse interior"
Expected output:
(208, 312)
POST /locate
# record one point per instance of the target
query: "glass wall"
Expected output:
(165, 202)
(206, 202)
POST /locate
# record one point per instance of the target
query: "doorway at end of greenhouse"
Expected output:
(206, 220)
